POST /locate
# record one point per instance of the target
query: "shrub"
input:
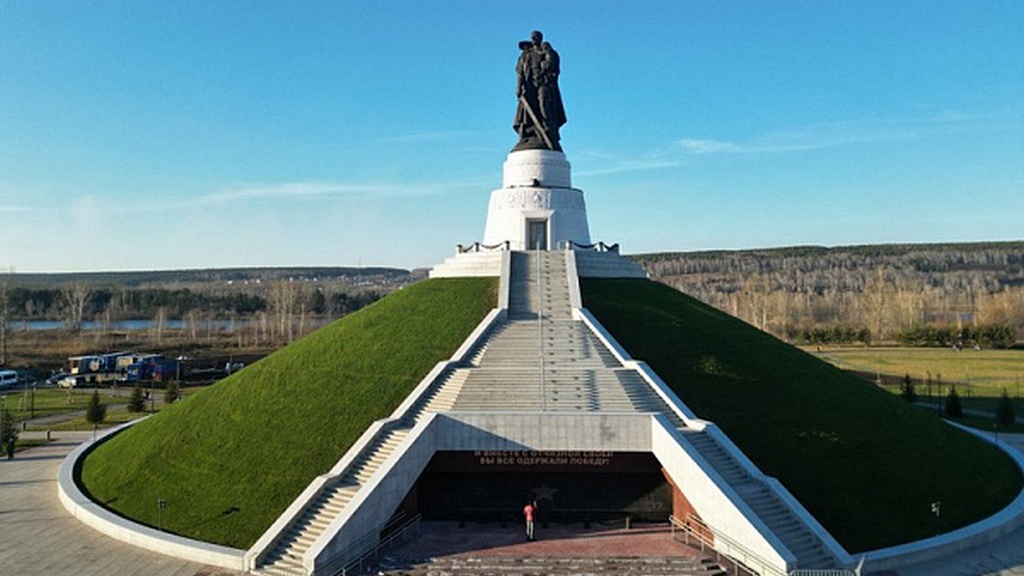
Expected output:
(907, 391)
(95, 412)
(953, 407)
(137, 402)
(172, 393)
(10, 430)
(1004, 410)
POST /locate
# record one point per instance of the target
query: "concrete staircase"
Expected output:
(542, 359)
(286, 557)
(764, 502)
(539, 359)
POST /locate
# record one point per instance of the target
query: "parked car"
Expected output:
(8, 378)
(70, 381)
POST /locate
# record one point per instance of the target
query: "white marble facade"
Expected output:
(536, 206)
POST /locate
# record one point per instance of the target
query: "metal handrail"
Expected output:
(360, 561)
(750, 563)
(540, 331)
(479, 247)
(598, 247)
(832, 572)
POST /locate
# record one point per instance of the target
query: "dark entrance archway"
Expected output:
(537, 234)
(568, 486)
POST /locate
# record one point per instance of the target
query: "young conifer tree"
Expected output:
(137, 402)
(95, 412)
(1004, 411)
(907, 391)
(953, 407)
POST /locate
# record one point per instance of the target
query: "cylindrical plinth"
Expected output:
(536, 207)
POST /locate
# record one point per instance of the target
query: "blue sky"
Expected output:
(156, 135)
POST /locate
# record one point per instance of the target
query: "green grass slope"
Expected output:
(230, 459)
(865, 463)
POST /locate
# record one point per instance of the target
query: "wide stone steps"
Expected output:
(522, 343)
(328, 504)
(727, 467)
(555, 566)
(442, 397)
(809, 550)
(542, 289)
(600, 389)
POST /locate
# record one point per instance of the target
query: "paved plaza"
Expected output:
(39, 537)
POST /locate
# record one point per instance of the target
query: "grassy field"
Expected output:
(26, 405)
(114, 417)
(231, 458)
(980, 376)
(51, 401)
(865, 463)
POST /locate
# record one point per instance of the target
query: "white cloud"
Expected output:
(810, 137)
(444, 136)
(836, 134)
(698, 146)
(312, 190)
(288, 190)
(598, 162)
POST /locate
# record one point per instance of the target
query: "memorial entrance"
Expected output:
(568, 487)
(537, 234)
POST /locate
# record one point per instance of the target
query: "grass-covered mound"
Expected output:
(230, 459)
(864, 462)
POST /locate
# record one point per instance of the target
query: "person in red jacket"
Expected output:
(529, 511)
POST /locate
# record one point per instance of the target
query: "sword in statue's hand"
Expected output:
(536, 122)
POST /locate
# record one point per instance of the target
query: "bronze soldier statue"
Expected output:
(539, 113)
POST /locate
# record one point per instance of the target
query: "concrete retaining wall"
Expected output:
(992, 528)
(119, 528)
(715, 500)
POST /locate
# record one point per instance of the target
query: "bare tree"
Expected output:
(282, 302)
(756, 292)
(875, 299)
(192, 324)
(4, 282)
(160, 322)
(74, 298)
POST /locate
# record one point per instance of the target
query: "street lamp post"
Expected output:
(3, 408)
(161, 504)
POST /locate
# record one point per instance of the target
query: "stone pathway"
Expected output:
(39, 537)
(494, 539)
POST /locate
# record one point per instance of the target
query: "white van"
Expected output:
(8, 378)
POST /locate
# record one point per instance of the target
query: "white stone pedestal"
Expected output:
(536, 206)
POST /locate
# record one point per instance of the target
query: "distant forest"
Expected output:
(929, 294)
(278, 300)
(922, 295)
